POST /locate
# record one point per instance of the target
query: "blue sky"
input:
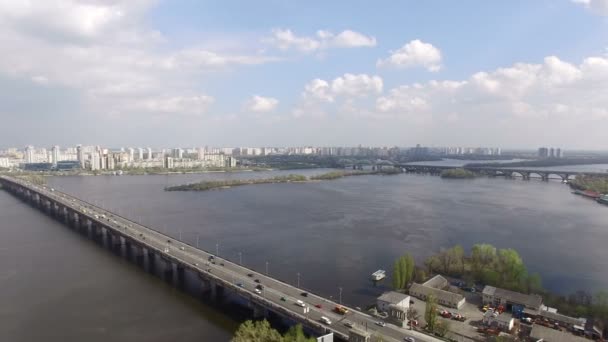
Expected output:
(188, 73)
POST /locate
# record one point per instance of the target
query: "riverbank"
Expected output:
(597, 184)
(341, 174)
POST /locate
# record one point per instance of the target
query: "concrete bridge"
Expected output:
(498, 171)
(218, 278)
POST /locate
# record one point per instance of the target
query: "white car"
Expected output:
(380, 323)
(300, 303)
(257, 291)
(325, 320)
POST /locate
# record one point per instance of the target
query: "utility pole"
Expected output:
(298, 279)
(266, 267)
(217, 249)
(340, 288)
(240, 258)
(197, 236)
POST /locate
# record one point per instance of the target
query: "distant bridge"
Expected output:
(172, 259)
(498, 171)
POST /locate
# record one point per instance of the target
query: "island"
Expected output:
(341, 174)
(210, 185)
(594, 183)
(457, 173)
(292, 178)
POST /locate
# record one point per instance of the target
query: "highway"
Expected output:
(275, 292)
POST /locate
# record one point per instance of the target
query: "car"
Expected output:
(259, 287)
(325, 320)
(166, 250)
(209, 270)
(283, 299)
(168, 240)
(195, 263)
(381, 324)
(409, 339)
(221, 264)
(411, 302)
(239, 284)
(257, 281)
(300, 303)
(304, 294)
(349, 324)
(319, 306)
(258, 291)
(182, 248)
(250, 275)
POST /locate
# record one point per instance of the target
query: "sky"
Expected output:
(510, 74)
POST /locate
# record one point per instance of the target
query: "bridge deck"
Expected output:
(230, 274)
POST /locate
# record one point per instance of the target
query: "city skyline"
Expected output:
(253, 74)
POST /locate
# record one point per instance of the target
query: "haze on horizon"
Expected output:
(517, 74)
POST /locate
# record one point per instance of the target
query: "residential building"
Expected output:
(392, 298)
(55, 154)
(439, 287)
(80, 155)
(149, 153)
(29, 154)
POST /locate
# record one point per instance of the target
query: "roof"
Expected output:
(533, 301)
(562, 318)
(552, 335)
(505, 318)
(449, 297)
(437, 282)
(393, 297)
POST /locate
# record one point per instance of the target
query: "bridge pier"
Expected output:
(151, 261)
(116, 244)
(181, 276)
(259, 311)
(139, 253)
(167, 270)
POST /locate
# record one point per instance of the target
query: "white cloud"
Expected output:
(597, 6)
(105, 52)
(554, 88)
(260, 104)
(416, 53)
(184, 105)
(285, 39)
(348, 86)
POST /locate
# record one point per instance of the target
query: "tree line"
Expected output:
(261, 331)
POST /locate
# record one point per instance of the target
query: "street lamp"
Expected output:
(197, 236)
(266, 267)
(217, 249)
(298, 279)
(240, 258)
(340, 295)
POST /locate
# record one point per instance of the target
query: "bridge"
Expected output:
(172, 259)
(499, 171)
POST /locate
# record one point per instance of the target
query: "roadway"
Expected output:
(278, 293)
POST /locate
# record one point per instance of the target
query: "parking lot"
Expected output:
(460, 330)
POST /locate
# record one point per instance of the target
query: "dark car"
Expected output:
(257, 281)
(168, 240)
(304, 294)
(250, 275)
(259, 287)
(221, 264)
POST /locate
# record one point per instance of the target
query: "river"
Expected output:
(334, 233)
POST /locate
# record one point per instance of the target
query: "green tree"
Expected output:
(259, 331)
(296, 334)
(403, 271)
(410, 265)
(482, 256)
(534, 283)
(397, 275)
(430, 313)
